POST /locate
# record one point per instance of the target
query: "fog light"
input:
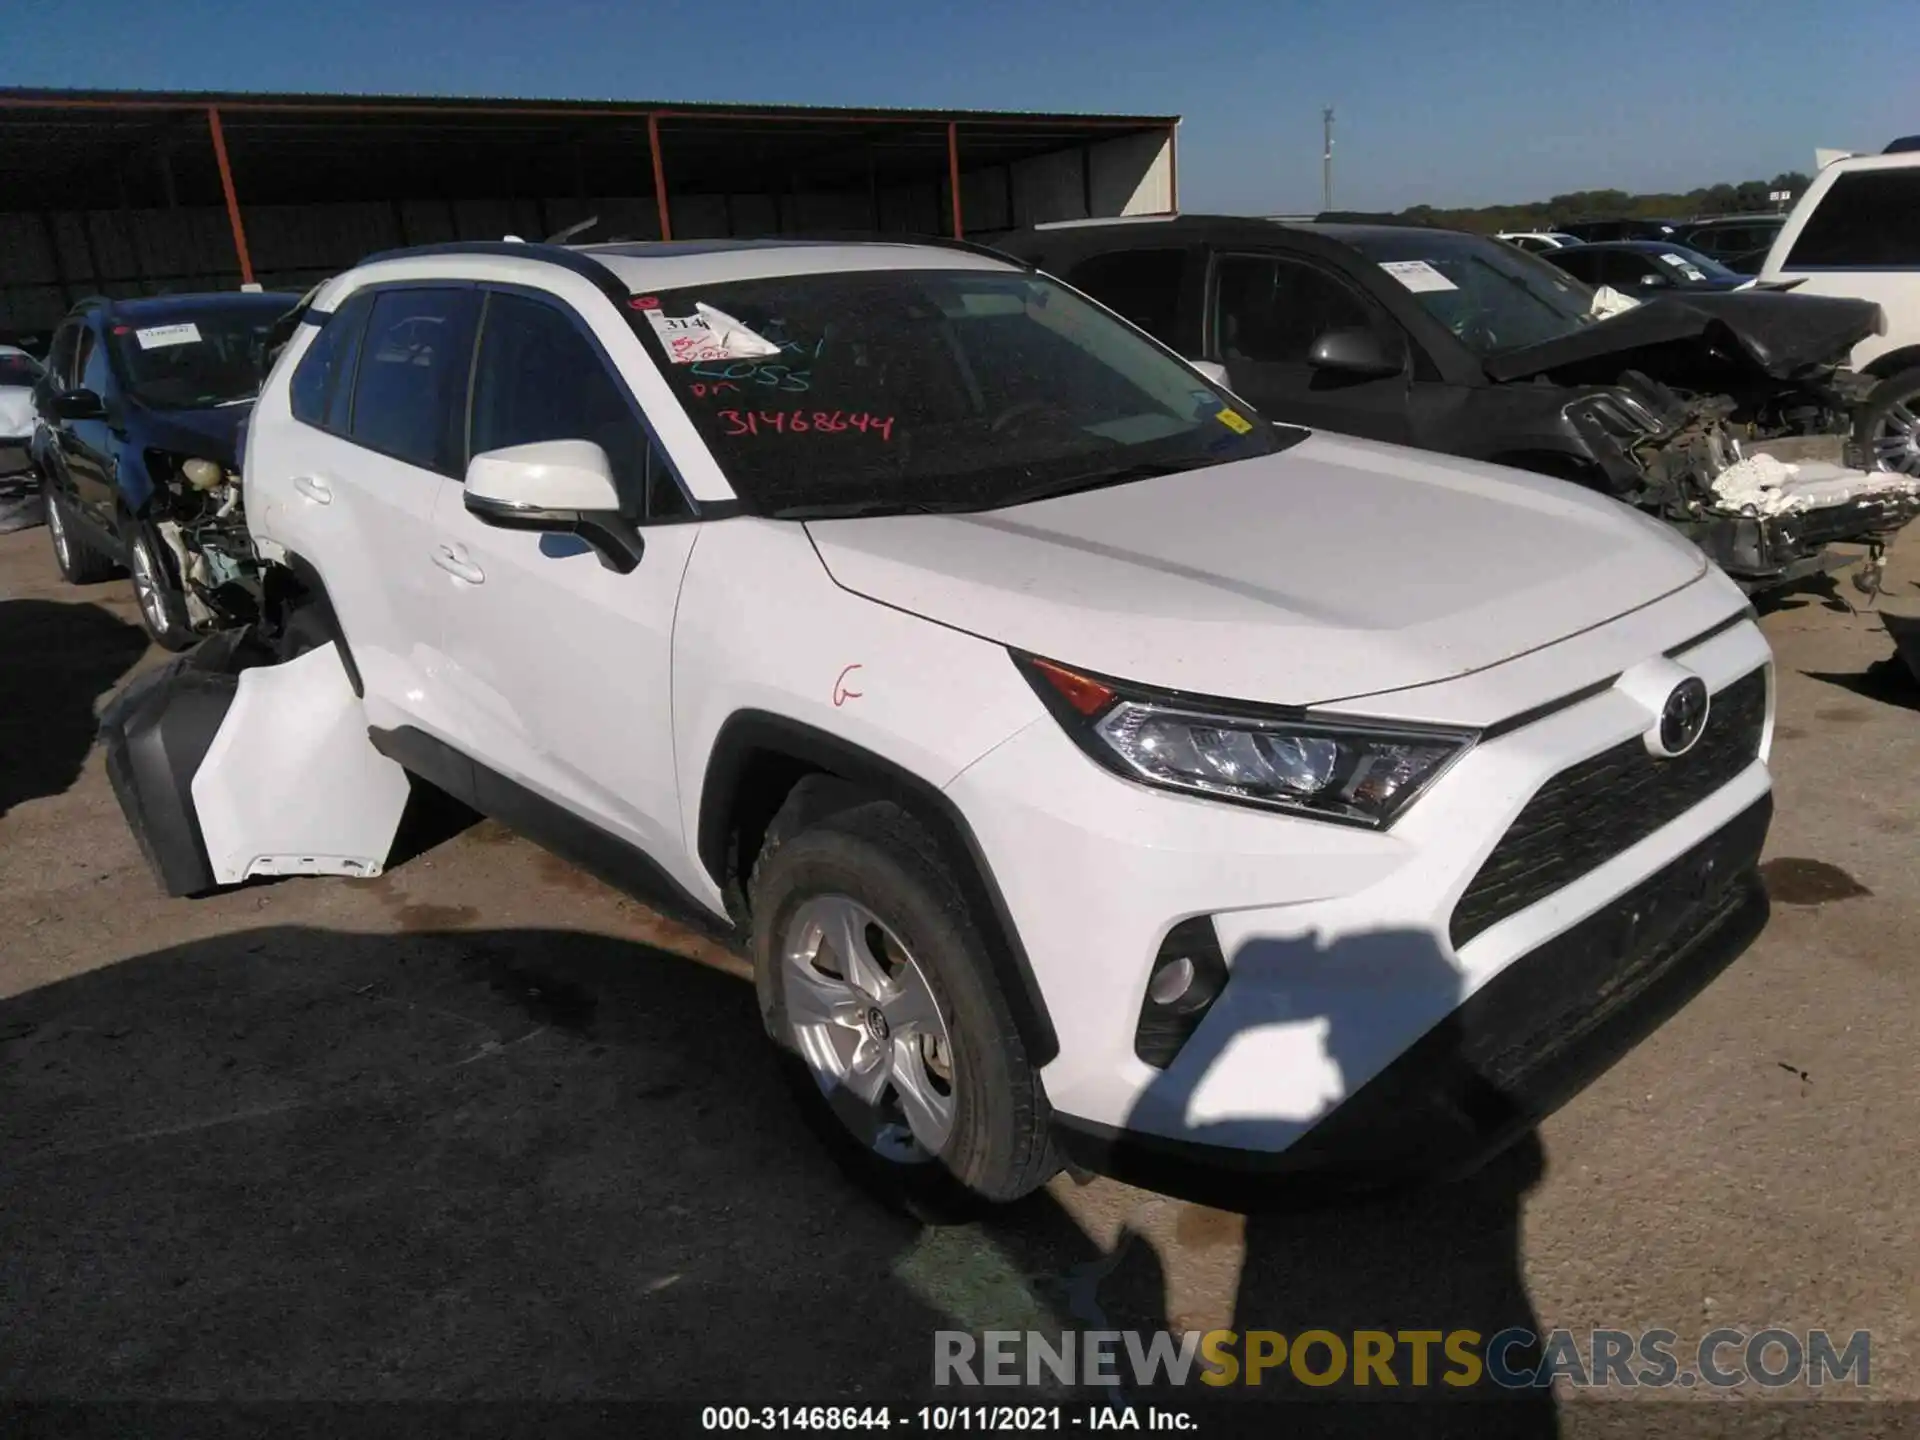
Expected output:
(1187, 977)
(1171, 979)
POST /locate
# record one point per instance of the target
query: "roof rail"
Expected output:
(898, 237)
(578, 262)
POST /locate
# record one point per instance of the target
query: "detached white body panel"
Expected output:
(291, 785)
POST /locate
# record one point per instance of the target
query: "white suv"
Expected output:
(1092, 769)
(1856, 232)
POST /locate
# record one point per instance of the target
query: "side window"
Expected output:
(1269, 309)
(60, 355)
(1142, 285)
(410, 386)
(1582, 265)
(93, 370)
(1632, 271)
(1870, 217)
(538, 377)
(317, 392)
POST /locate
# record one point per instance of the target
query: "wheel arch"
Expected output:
(1885, 367)
(756, 761)
(295, 584)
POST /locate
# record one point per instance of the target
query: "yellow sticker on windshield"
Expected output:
(1234, 421)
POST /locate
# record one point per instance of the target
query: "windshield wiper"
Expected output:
(855, 509)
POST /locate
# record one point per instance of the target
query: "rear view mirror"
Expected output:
(1655, 280)
(563, 486)
(1357, 351)
(78, 405)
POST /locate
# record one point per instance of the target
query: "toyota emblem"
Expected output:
(1684, 716)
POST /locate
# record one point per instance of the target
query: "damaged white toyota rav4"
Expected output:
(1095, 772)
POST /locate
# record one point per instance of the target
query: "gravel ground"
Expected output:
(484, 1128)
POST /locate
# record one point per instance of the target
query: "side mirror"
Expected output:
(560, 486)
(78, 405)
(1212, 369)
(1358, 351)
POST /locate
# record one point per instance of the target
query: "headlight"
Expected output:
(1356, 772)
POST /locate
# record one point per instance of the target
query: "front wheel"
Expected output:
(163, 605)
(1889, 424)
(871, 975)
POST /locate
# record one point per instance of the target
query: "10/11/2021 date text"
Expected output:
(943, 1419)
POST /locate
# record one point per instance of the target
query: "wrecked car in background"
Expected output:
(143, 403)
(1463, 344)
(19, 480)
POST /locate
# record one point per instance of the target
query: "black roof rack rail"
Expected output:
(579, 263)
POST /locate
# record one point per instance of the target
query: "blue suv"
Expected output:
(138, 437)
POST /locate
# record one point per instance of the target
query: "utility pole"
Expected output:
(1326, 159)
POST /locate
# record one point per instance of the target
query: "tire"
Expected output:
(156, 588)
(874, 861)
(81, 562)
(1888, 427)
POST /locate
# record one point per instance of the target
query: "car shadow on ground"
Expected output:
(1365, 1248)
(297, 1163)
(1887, 681)
(56, 661)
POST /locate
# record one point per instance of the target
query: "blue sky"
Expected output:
(1450, 103)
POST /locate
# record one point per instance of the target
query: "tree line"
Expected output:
(1749, 196)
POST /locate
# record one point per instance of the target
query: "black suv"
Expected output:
(143, 402)
(1473, 347)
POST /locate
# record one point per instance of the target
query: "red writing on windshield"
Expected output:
(803, 422)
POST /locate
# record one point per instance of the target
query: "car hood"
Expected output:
(1334, 569)
(210, 434)
(1780, 335)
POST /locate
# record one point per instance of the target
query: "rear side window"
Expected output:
(317, 392)
(538, 377)
(410, 385)
(1142, 285)
(1870, 217)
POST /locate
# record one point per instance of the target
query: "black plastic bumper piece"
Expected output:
(1518, 1049)
(156, 733)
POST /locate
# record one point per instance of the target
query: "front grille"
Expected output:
(1586, 815)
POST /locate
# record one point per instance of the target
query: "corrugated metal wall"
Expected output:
(49, 260)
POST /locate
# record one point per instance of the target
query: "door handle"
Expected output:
(453, 559)
(314, 489)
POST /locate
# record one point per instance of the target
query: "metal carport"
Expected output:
(125, 193)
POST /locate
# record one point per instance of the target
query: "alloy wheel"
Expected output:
(1896, 437)
(866, 1022)
(57, 529)
(146, 587)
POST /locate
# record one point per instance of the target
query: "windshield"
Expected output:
(1690, 267)
(1492, 297)
(899, 390)
(195, 362)
(17, 368)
